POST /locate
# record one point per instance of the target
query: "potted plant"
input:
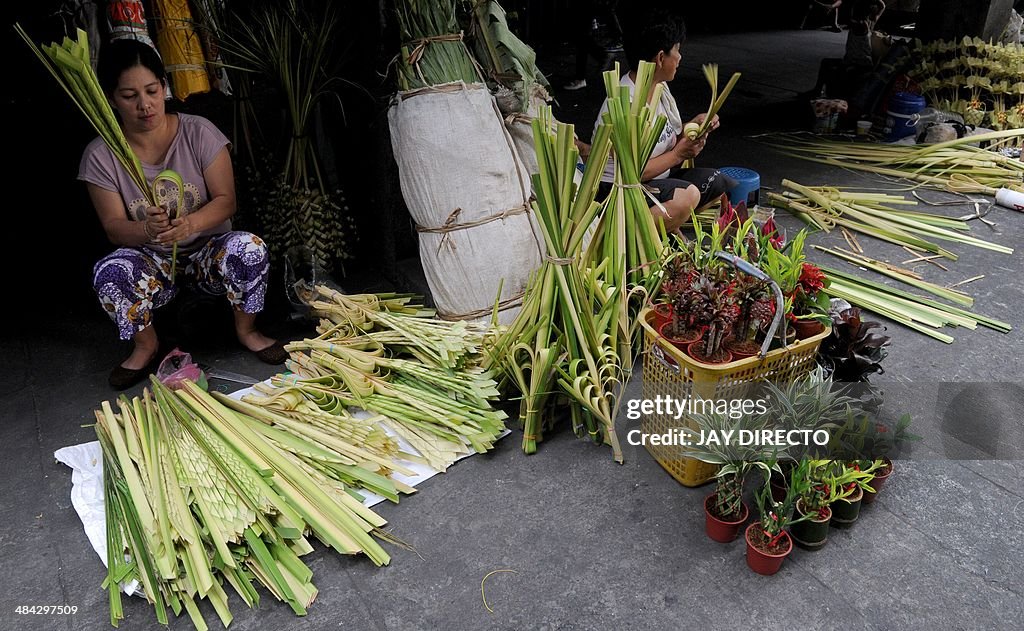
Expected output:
(809, 403)
(883, 469)
(672, 320)
(855, 348)
(712, 309)
(802, 284)
(810, 302)
(724, 509)
(848, 483)
(872, 442)
(768, 543)
(819, 490)
(674, 277)
(753, 306)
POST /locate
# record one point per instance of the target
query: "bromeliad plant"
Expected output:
(753, 302)
(855, 349)
(713, 309)
(810, 300)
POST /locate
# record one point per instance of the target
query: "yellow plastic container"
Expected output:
(669, 372)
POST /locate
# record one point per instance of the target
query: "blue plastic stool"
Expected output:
(748, 188)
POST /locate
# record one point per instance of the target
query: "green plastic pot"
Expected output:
(845, 512)
(810, 534)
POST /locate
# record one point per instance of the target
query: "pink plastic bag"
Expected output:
(178, 367)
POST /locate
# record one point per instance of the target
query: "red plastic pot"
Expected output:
(763, 562)
(696, 351)
(722, 531)
(741, 350)
(682, 343)
(878, 482)
(662, 314)
(807, 328)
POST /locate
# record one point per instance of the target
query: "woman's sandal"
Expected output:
(273, 354)
(122, 378)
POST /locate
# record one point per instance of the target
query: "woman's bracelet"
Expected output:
(145, 228)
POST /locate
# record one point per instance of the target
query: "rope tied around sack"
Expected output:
(508, 303)
(518, 117)
(451, 226)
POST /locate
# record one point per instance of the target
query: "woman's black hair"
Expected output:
(122, 54)
(648, 34)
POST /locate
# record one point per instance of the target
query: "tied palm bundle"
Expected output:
(628, 235)
(200, 493)
(433, 51)
(69, 64)
(566, 332)
(292, 45)
(508, 60)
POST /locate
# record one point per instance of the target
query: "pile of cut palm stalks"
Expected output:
(424, 378)
(202, 491)
(955, 165)
(827, 208)
(919, 313)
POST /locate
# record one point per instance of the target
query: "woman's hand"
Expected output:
(157, 221)
(179, 230)
(583, 148)
(699, 119)
(686, 149)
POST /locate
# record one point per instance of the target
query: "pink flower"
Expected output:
(727, 216)
(770, 230)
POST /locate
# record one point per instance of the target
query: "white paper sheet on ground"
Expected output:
(86, 462)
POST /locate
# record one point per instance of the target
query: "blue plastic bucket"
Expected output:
(748, 187)
(900, 120)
